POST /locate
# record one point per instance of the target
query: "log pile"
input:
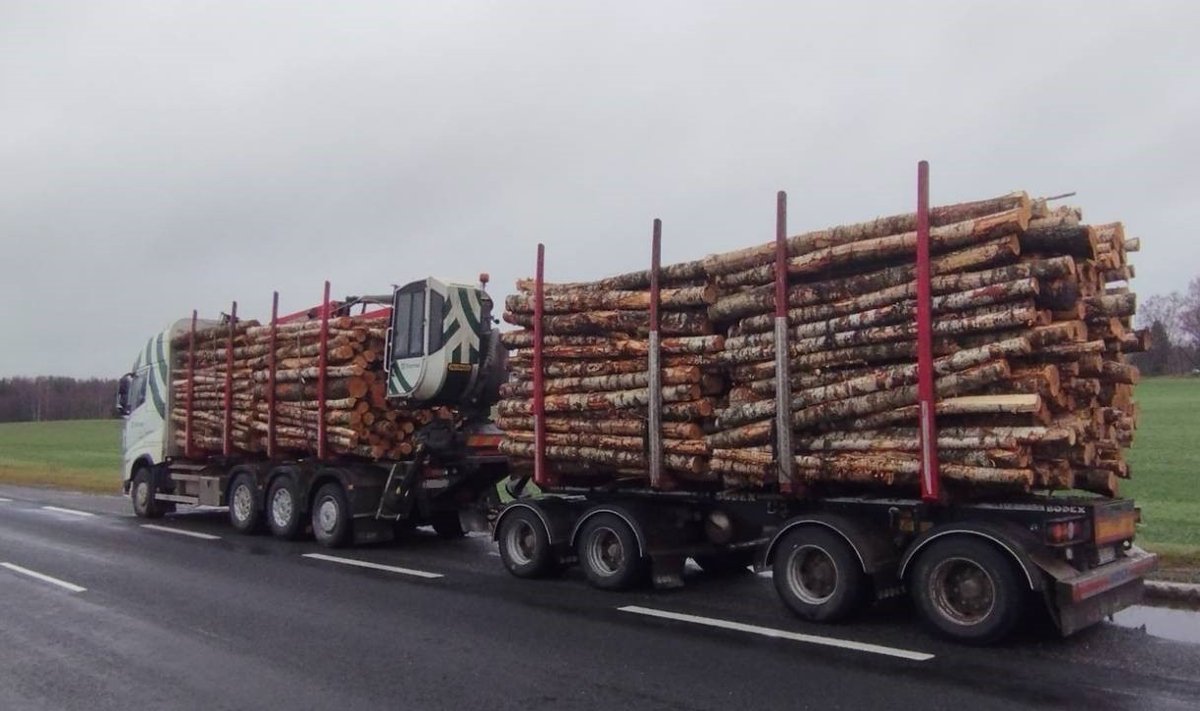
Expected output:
(1032, 320)
(596, 349)
(358, 419)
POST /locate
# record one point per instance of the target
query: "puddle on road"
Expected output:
(1166, 622)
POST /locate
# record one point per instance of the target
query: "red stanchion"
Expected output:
(322, 361)
(927, 431)
(540, 476)
(272, 366)
(227, 431)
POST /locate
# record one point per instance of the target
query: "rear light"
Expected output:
(1066, 531)
(1115, 526)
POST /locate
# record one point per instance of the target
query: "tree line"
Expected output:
(1174, 323)
(56, 398)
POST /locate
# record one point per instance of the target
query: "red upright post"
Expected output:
(540, 476)
(927, 432)
(654, 421)
(191, 390)
(783, 388)
(322, 361)
(272, 366)
(227, 432)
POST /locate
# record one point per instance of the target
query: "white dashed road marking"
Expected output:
(181, 532)
(44, 578)
(73, 512)
(372, 566)
(780, 634)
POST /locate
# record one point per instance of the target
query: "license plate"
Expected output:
(1106, 555)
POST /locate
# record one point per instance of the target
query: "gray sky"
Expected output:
(163, 156)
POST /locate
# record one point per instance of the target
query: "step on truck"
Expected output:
(440, 356)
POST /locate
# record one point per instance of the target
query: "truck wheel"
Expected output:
(447, 524)
(967, 590)
(283, 509)
(245, 514)
(142, 493)
(608, 553)
(525, 545)
(818, 576)
(332, 520)
(725, 564)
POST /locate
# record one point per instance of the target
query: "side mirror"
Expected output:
(121, 406)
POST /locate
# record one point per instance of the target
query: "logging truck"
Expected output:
(971, 569)
(331, 456)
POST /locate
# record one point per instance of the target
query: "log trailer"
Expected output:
(972, 569)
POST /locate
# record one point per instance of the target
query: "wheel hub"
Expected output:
(281, 507)
(812, 574)
(521, 543)
(962, 590)
(141, 494)
(327, 516)
(606, 554)
(243, 502)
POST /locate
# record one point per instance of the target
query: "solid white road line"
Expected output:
(73, 512)
(372, 566)
(780, 634)
(5, 501)
(181, 532)
(44, 578)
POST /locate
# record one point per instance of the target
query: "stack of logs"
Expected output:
(1032, 321)
(358, 418)
(595, 361)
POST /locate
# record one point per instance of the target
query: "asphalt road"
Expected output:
(136, 617)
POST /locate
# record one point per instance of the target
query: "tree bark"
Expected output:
(563, 302)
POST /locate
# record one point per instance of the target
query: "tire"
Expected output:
(818, 576)
(725, 564)
(245, 513)
(142, 492)
(967, 590)
(283, 509)
(608, 553)
(447, 524)
(332, 519)
(525, 546)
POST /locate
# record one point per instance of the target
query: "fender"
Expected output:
(295, 471)
(256, 472)
(142, 461)
(554, 513)
(620, 511)
(1010, 538)
(874, 551)
(363, 487)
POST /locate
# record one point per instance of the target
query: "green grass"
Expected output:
(82, 455)
(1165, 466)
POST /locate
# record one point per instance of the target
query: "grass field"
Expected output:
(1165, 461)
(83, 455)
(1165, 464)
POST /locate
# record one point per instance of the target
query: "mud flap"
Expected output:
(666, 571)
(1072, 618)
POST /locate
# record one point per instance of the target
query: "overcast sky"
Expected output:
(164, 156)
